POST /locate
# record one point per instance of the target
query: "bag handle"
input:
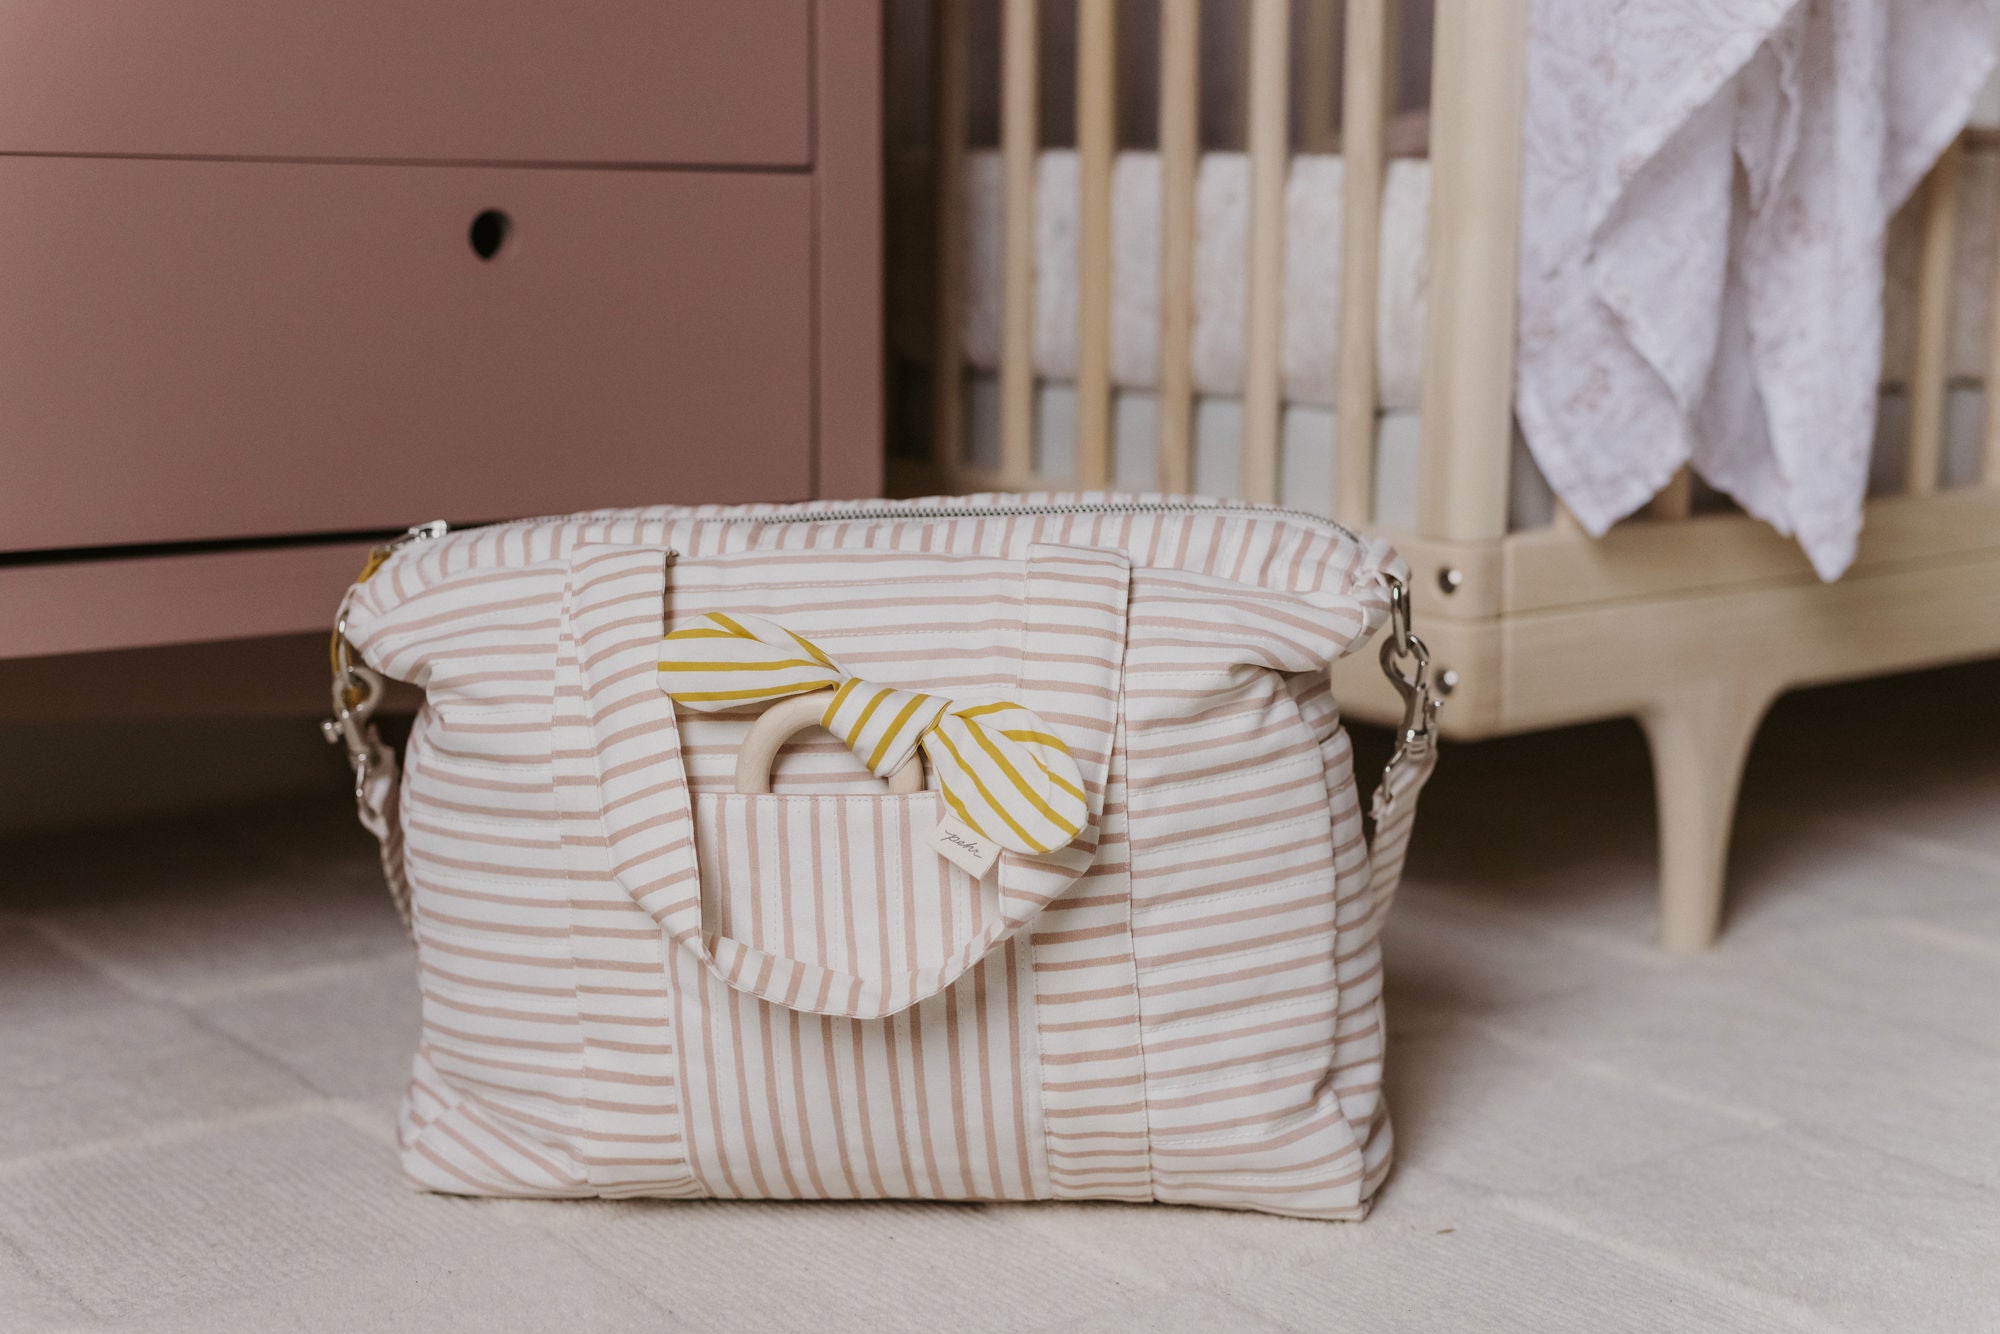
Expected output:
(357, 690)
(1072, 657)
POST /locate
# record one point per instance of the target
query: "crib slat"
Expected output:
(1989, 469)
(1477, 66)
(1096, 134)
(1269, 100)
(1368, 75)
(1018, 147)
(1180, 91)
(1932, 368)
(947, 347)
(1321, 40)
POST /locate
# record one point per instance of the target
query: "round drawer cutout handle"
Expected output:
(777, 725)
(489, 232)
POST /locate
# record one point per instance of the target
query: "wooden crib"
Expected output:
(1690, 618)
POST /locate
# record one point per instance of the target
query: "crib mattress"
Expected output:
(1310, 353)
(1306, 475)
(1311, 326)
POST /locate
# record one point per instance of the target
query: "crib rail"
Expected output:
(1466, 498)
(1468, 398)
(1689, 616)
(1470, 245)
(1268, 95)
(1941, 206)
(1180, 75)
(1370, 61)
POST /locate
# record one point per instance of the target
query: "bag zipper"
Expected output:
(934, 513)
(381, 552)
(422, 532)
(1420, 714)
(945, 513)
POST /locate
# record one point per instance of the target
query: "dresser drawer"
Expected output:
(667, 81)
(198, 350)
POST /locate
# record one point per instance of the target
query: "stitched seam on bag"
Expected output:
(1337, 776)
(686, 1116)
(1131, 944)
(1031, 987)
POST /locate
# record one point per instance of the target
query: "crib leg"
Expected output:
(1700, 737)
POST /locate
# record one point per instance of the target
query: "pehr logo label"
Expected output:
(957, 843)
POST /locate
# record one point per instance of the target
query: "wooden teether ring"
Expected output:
(786, 719)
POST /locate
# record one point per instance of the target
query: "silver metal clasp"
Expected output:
(357, 691)
(1406, 661)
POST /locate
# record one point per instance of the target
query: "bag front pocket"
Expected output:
(628, 767)
(901, 1063)
(848, 883)
(938, 1102)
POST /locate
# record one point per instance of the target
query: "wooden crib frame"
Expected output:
(1692, 623)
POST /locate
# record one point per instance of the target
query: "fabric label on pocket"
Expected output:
(956, 842)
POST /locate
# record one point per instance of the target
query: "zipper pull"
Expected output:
(423, 532)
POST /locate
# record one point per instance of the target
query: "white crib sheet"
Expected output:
(1305, 465)
(1311, 343)
(1305, 470)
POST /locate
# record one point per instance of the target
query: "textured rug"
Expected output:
(204, 1026)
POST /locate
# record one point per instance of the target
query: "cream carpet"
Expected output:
(203, 1027)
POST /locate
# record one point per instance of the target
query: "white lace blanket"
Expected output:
(1707, 185)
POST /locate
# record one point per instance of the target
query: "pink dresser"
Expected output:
(280, 278)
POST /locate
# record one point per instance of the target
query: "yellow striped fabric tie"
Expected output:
(998, 766)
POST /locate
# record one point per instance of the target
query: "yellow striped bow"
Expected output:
(998, 766)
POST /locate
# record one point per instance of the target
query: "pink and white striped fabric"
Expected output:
(639, 982)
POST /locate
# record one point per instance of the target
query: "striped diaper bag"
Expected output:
(982, 848)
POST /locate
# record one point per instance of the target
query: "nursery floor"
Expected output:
(203, 1028)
